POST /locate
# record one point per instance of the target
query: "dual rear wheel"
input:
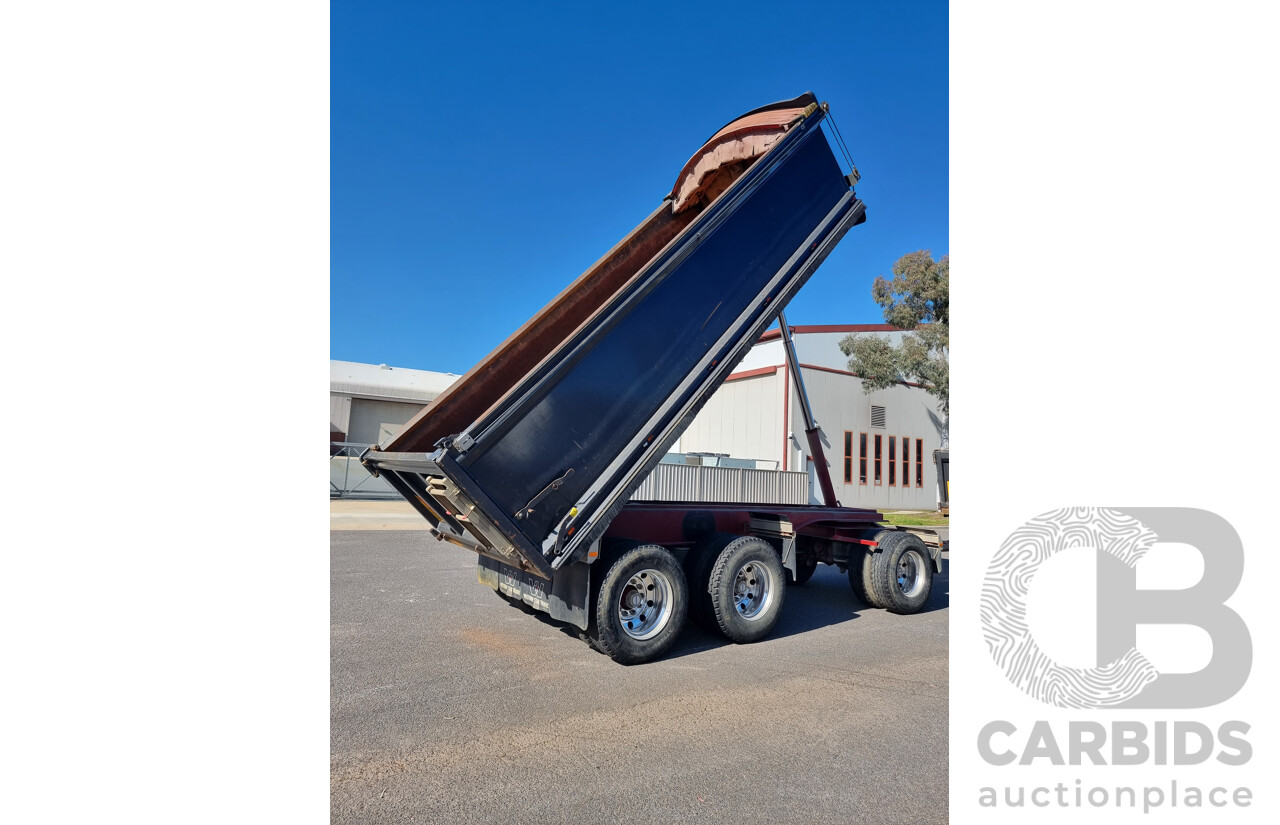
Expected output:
(897, 577)
(731, 583)
(738, 584)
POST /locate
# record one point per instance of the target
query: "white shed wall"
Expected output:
(372, 422)
(765, 354)
(339, 413)
(840, 405)
(743, 419)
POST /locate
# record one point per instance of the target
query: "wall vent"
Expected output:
(877, 416)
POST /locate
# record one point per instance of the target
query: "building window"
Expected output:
(848, 457)
(906, 461)
(919, 462)
(893, 461)
(862, 458)
(878, 437)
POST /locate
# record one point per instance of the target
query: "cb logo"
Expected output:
(1121, 537)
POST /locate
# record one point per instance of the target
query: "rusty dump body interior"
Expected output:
(529, 456)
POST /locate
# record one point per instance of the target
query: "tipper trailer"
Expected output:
(530, 459)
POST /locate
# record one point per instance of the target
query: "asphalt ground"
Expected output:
(449, 705)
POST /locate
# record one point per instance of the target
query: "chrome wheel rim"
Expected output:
(752, 590)
(645, 604)
(910, 573)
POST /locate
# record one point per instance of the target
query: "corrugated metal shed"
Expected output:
(380, 381)
(368, 403)
(680, 482)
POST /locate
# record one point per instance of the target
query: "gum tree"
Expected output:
(914, 300)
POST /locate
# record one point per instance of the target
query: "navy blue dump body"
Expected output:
(614, 377)
(529, 457)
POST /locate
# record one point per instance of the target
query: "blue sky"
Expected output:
(484, 154)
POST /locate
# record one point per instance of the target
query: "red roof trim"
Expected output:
(771, 370)
(854, 374)
(753, 373)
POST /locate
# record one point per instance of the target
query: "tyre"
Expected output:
(640, 606)
(805, 566)
(747, 587)
(901, 574)
(697, 569)
(861, 568)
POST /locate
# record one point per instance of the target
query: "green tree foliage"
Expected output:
(915, 300)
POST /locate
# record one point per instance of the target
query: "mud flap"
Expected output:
(565, 597)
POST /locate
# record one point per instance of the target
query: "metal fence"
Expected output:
(349, 479)
(669, 482)
(679, 482)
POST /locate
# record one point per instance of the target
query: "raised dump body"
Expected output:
(529, 457)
